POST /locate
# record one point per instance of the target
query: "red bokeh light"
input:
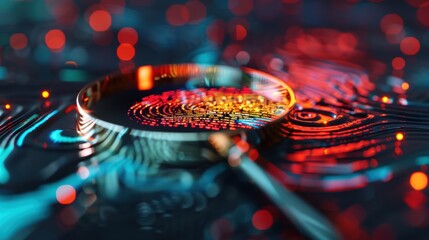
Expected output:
(410, 46)
(216, 32)
(65, 194)
(415, 199)
(423, 15)
(392, 24)
(18, 41)
(128, 35)
(262, 219)
(125, 52)
(100, 20)
(64, 11)
(197, 11)
(398, 63)
(177, 15)
(55, 39)
(416, 3)
(347, 42)
(240, 32)
(114, 6)
(240, 7)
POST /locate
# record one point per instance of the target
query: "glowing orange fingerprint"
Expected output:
(418, 180)
(405, 86)
(144, 78)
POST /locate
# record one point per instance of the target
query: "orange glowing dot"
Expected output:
(65, 194)
(177, 15)
(45, 94)
(262, 220)
(405, 86)
(55, 39)
(100, 20)
(385, 99)
(18, 41)
(410, 45)
(7, 106)
(418, 180)
(144, 78)
(399, 136)
(125, 52)
(242, 146)
(398, 63)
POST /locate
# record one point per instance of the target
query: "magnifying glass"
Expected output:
(186, 114)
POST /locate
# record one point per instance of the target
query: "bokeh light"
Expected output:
(240, 7)
(399, 136)
(128, 35)
(18, 41)
(392, 24)
(65, 194)
(177, 15)
(423, 14)
(398, 63)
(55, 39)
(262, 219)
(83, 172)
(385, 99)
(405, 86)
(197, 11)
(45, 94)
(100, 20)
(418, 180)
(410, 46)
(125, 52)
(239, 32)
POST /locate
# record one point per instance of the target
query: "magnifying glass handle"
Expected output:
(308, 220)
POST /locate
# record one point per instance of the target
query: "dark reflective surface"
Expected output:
(355, 146)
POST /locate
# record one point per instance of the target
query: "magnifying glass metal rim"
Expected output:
(172, 135)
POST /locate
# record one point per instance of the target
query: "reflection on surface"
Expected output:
(355, 146)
